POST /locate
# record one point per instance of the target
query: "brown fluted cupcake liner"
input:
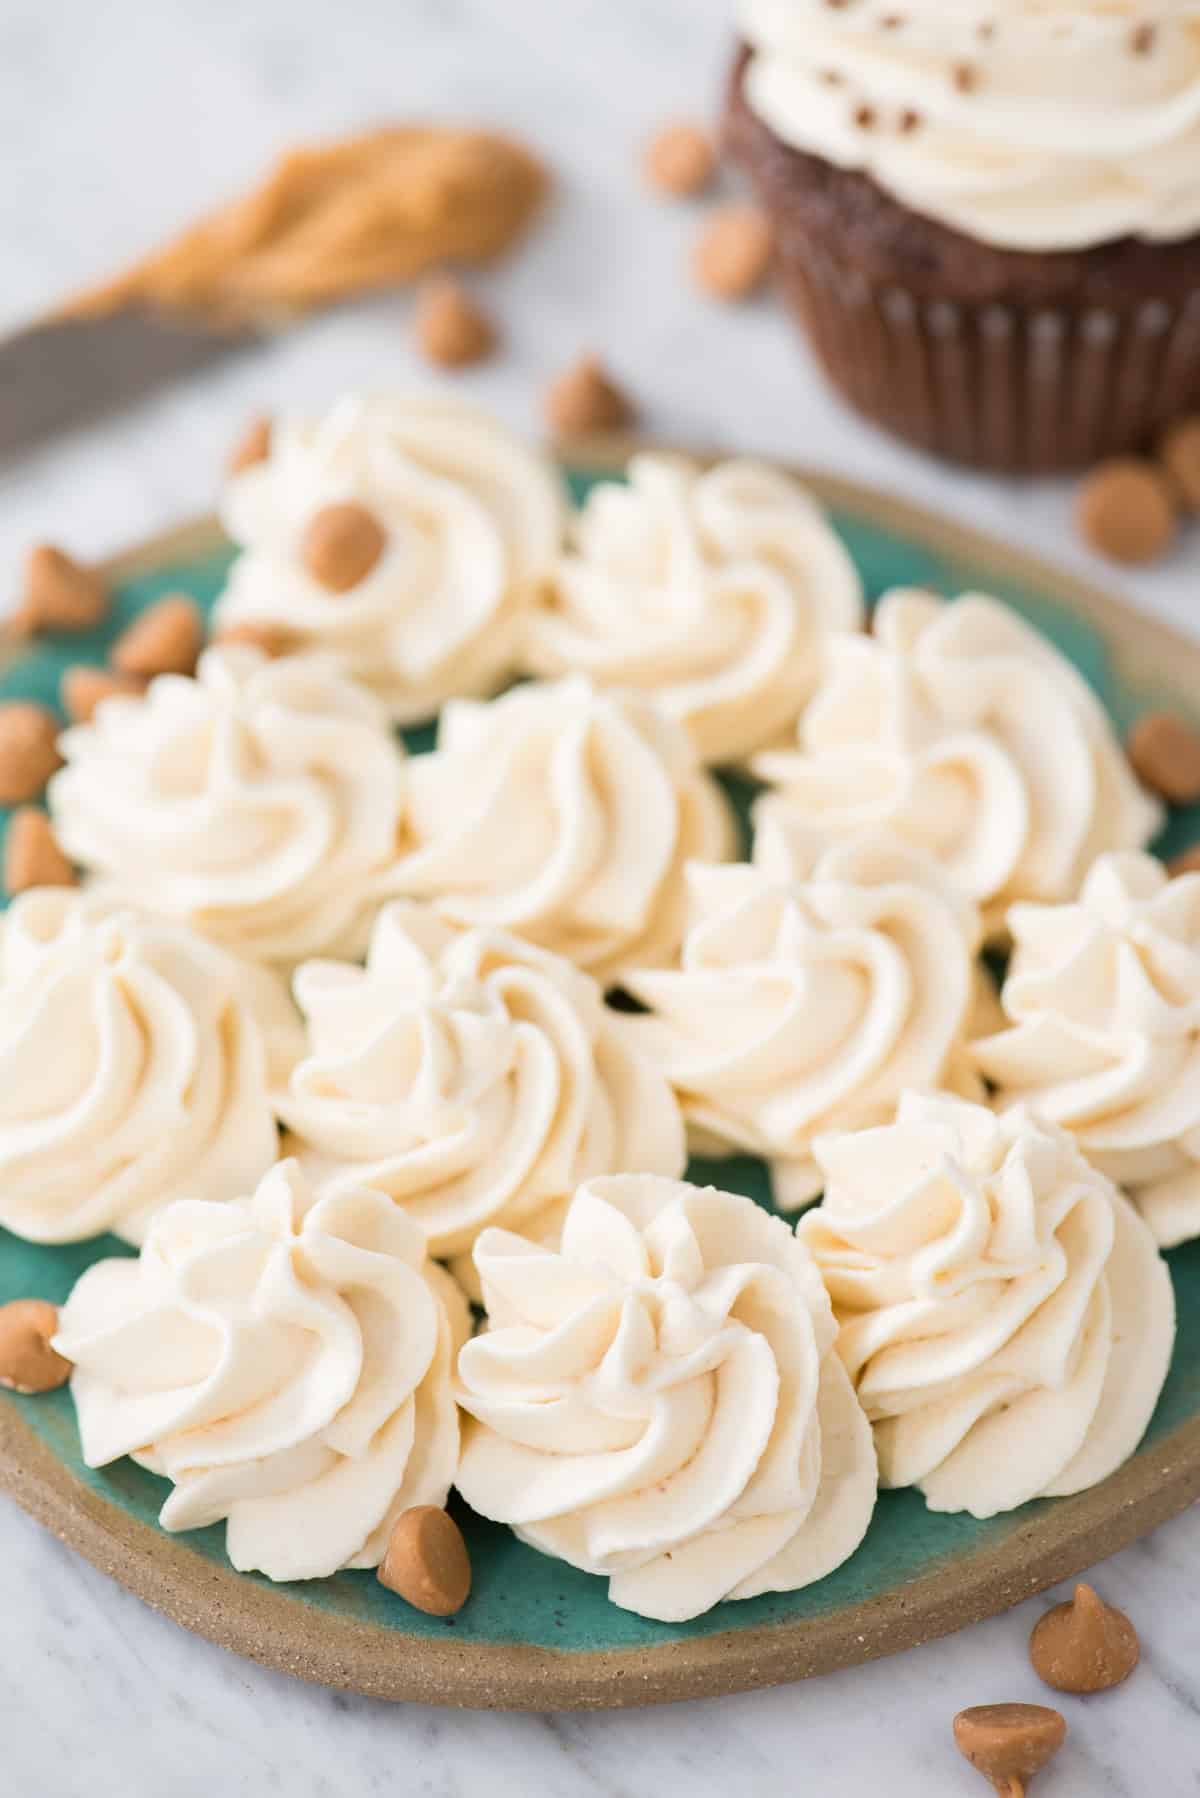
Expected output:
(999, 386)
(1008, 360)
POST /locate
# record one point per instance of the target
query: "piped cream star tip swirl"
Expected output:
(259, 802)
(1005, 1316)
(286, 1362)
(401, 537)
(1103, 1031)
(659, 1400)
(138, 1062)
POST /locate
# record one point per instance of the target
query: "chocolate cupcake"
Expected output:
(987, 215)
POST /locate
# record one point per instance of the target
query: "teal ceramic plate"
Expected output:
(536, 1634)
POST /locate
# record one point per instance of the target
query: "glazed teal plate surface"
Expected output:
(536, 1633)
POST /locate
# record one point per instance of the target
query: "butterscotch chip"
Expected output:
(1009, 1743)
(1084, 1645)
(27, 1361)
(83, 687)
(680, 160)
(733, 254)
(1165, 752)
(585, 398)
(253, 446)
(60, 594)
(452, 329)
(1126, 511)
(1179, 453)
(341, 545)
(28, 750)
(32, 857)
(1186, 862)
(427, 1562)
(165, 639)
(272, 639)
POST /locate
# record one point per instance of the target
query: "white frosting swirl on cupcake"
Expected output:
(964, 731)
(474, 1078)
(136, 1063)
(1004, 1313)
(714, 590)
(471, 518)
(816, 985)
(259, 802)
(565, 816)
(1103, 1000)
(659, 1401)
(287, 1365)
(1033, 125)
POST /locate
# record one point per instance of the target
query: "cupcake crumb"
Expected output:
(452, 329)
(680, 161)
(733, 254)
(1126, 510)
(585, 398)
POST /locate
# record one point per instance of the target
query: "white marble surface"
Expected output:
(118, 120)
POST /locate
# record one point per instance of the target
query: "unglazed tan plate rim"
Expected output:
(272, 1628)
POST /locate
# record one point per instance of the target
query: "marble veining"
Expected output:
(115, 123)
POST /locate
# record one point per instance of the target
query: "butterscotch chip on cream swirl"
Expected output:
(401, 537)
(566, 816)
(715, 590)
(259, 803)
(474, 1078)
(1102, 1004)
(962, 729)
(137, 1064)
(659, 1401)
(285, 1362)
(1005, 1316)
(816, 985)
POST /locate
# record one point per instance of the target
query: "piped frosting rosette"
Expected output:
(1103, 1005)
(1036, 125)
(566, 816)
(714, 590)
(962, 730)
(466, 518)
(815, 986)
(260, 803)
(286, 1364)
(659, 1401)
(1004, 1313)
(474, 1078)
(137, 1064)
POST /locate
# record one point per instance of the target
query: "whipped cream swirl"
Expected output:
(286, 1364)
(1103, 1003)
(1033, 125)
(471, 518)
(713, 590)
(136, 1064)
(660, 1401)
(565, 816)
(815, 986)
(474, 1078)
(964, 731)
(259, 802)
(1004, 1313)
